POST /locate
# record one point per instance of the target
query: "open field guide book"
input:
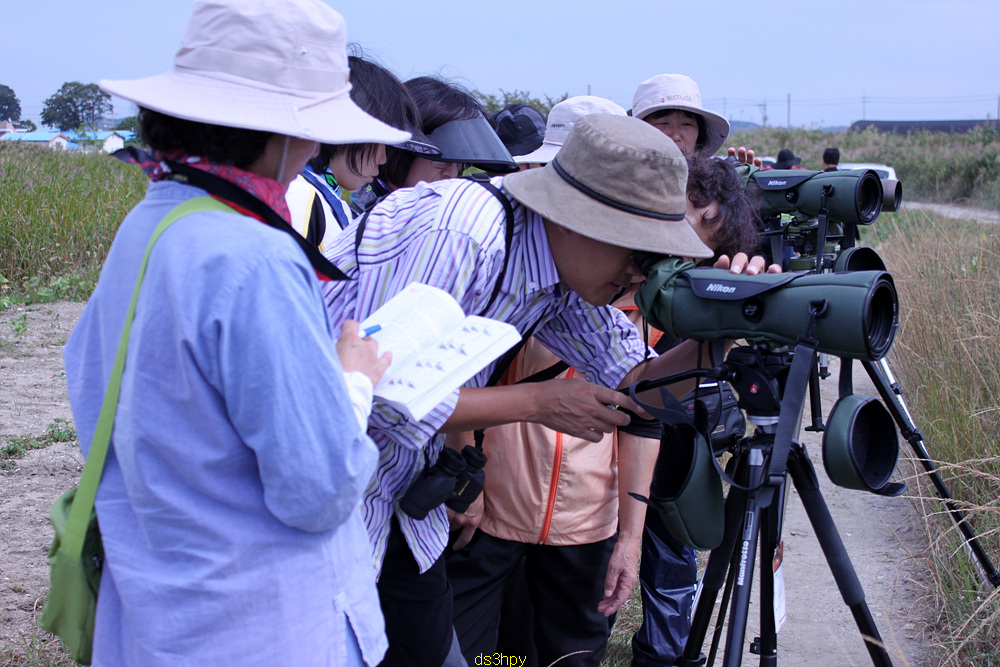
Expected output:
(435, 347)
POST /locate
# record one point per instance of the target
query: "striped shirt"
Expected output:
(450, 234)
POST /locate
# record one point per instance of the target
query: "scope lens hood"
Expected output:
(860, 447)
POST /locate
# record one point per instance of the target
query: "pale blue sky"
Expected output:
(839, 60)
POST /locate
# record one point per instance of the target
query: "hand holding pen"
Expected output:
(359, 352)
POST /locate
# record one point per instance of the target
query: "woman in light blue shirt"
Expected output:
(229, 503)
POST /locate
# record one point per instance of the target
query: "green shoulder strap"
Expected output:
(86, 491)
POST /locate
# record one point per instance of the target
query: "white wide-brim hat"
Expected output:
(676, 91)
(276, 67)
(560, 122)
(617, 180)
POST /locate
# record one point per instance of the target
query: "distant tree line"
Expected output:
(74, 106)
(10, 106)
(495, 103)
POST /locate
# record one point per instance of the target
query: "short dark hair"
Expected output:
(831, 156)
(736, 228)
(438, 102)
(217, 143)
(379, 93)
(702, 128)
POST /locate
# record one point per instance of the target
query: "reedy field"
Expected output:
(59, 213)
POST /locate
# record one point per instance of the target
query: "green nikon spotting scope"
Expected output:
(860, 322)
(854, 195)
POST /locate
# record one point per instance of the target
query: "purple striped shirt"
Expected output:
(450, 234)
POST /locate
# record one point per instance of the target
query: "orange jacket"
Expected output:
(545, 487)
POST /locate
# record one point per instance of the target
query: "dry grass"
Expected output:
(948, 362)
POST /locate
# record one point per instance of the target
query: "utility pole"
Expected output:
(763, 113)
(788, 123)
(864, 106)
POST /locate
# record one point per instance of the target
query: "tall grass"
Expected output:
(933, 167)
(59, 212)
(947, 358)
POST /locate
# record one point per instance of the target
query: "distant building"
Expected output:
(107, 141)
(12, 126)
(907, 126)
(50, 139)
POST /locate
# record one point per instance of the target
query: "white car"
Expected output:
(883, 170)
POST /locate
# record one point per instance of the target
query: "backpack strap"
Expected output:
(508, 209)
(316, 225)
(230, 192)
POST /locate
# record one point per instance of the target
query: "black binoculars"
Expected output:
(455, 479)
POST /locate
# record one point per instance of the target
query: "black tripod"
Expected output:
(771, 386)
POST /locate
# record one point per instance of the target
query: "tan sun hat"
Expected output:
(262, 65)
(618, 180)
(676, 91)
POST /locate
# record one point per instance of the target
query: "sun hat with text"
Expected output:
(617, 180)
(676, 91)
(263, 65)
(561, 119)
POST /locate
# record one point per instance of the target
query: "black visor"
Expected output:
(474, 142)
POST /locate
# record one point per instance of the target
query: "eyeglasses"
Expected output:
(444, 165)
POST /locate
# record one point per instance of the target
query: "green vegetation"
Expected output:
(14, 447)
(933, 167)
(948, 364)
(60, 213)
(495, 103)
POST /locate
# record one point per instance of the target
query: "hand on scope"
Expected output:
(579, 408)
(745, 156)
(743, 263)
(361, 354)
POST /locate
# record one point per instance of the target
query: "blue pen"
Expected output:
(370, 330)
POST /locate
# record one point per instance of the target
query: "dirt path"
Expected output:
(881, 535)
(959, 212)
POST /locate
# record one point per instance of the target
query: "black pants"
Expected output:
(417, 608)
(564, 584)
(668, 574)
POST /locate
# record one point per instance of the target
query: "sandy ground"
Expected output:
(959, 212)
(881, 535)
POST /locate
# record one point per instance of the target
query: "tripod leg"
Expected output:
(744, 557)
(767, 644)
(815, 404)
(807, 484)
(892, 396)
(713, 579)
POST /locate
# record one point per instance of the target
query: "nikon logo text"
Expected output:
(777, 183)
(719, 287)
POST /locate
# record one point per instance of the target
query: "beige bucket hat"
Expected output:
(617, 180)
(676, 91)
(561, 119)
(262, 65)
